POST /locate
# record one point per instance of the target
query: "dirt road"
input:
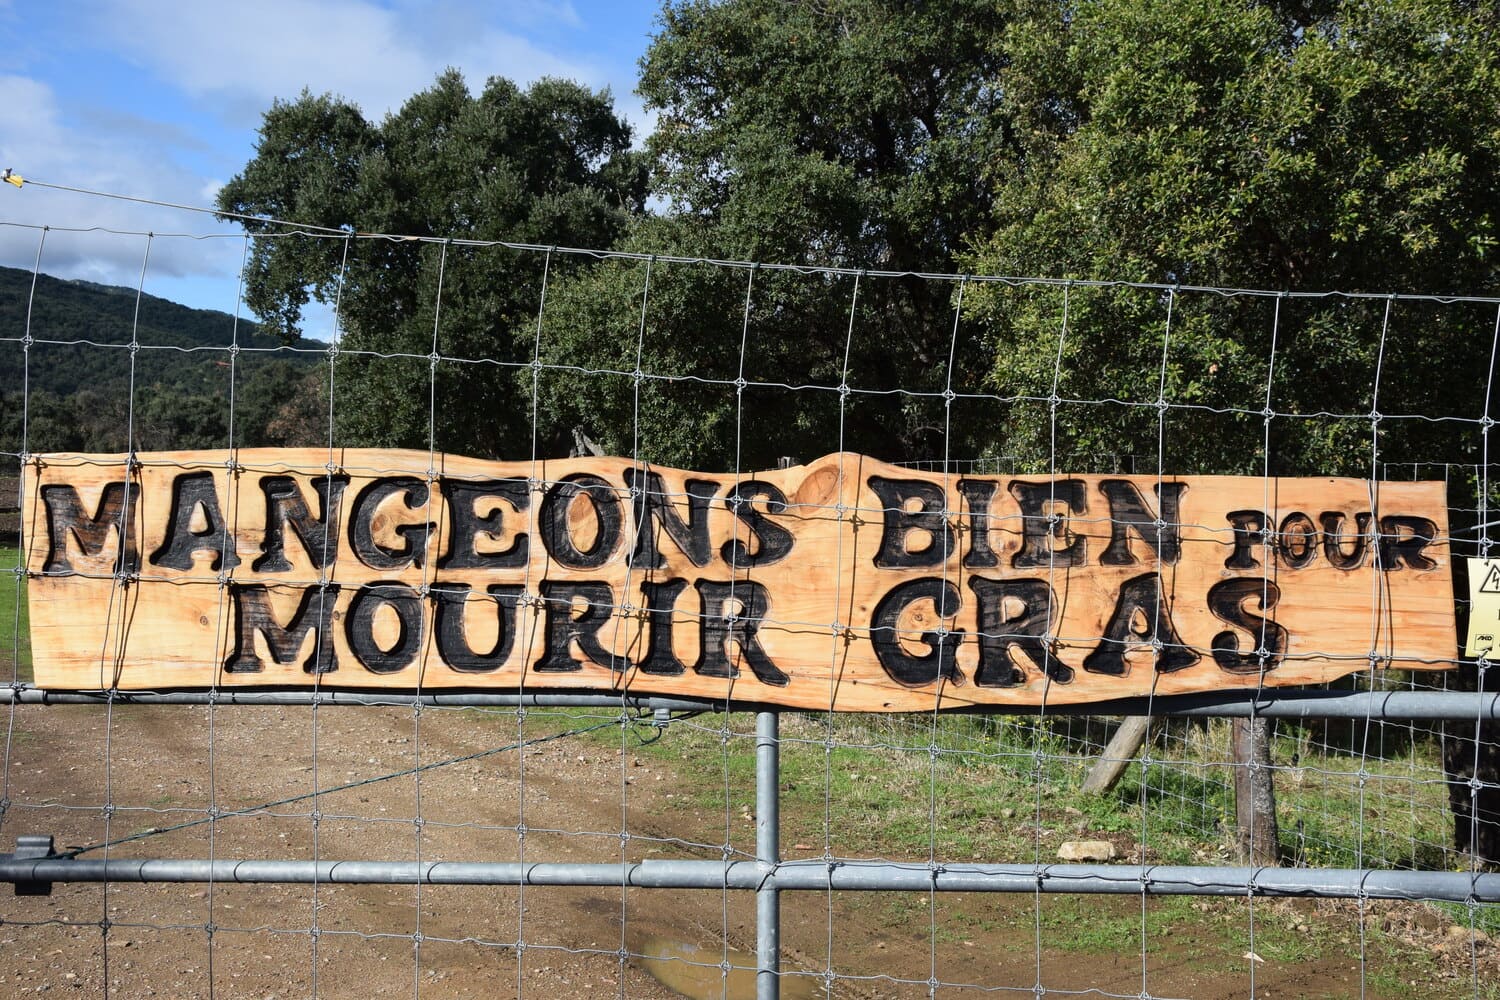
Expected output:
(576, 799)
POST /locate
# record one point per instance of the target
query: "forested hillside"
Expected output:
(72, 390)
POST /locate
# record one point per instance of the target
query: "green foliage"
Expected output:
(550, 165)
(1297, 144)
(73, 388)
(1339, 145)
(841, 133)
(845, 133)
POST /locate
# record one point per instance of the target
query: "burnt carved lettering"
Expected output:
(1128, 511)
(1249, 537)
(561, 629)
(114, 512)
(979, 494)
(1025, 631)
(722, 625)
(452, 601)
(1297, 540)
(1141, 615)
(1041, 525)
(466, 525)
(1227, 600)
(1402, 540)
(196, 493)
(773, 542)
(1334, 550)
(414, 495)
(917, 669)
(286, 506)
(556, 536)
(359, 626)
(661, 599)
(655, 512)
(253, 614)
(898, 523)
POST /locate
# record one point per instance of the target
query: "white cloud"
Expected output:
(232, 59)
(29, 109)
(245, 55)
(36, 141)
(534, 13)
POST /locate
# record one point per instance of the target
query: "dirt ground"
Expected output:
(575, 799)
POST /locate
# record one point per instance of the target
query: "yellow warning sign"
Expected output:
(1484, 615)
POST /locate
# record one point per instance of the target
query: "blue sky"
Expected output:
(161, 100)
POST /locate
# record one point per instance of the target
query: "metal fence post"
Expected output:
(767, 855)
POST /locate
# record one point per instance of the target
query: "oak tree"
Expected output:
(549, 164)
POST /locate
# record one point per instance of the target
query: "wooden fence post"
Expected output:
(1257, 837)
(1122, 749)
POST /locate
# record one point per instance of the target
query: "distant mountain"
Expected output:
(77, 389)
(65, 312)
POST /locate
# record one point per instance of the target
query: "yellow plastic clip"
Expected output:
(11, 177)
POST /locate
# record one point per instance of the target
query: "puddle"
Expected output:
(696, 972)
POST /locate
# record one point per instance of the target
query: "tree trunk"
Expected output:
(1476, 811)
(1258, 840)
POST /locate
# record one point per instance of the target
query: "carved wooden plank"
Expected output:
(845, 583)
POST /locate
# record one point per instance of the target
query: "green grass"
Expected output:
(15, 633)
(999, 789)
(977, 796)
(974, 788)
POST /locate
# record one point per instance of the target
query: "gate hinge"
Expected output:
(31, 847)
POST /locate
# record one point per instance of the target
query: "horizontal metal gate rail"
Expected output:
(807, 875)
(34, 866)
(1281, 703)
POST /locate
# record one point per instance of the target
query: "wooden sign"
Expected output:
(846, 583)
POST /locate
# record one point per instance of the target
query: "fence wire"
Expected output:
(610, 785)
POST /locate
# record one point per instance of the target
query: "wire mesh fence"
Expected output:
(633, 845)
